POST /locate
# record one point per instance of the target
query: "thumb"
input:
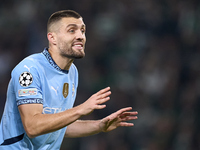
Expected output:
(105, 120)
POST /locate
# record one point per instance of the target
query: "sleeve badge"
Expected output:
(25, 79)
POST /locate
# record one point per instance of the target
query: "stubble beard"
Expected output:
(70, 53)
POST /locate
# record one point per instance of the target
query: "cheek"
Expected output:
(85, 38)
(63, 41)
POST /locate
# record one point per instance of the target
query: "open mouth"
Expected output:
(78, 45)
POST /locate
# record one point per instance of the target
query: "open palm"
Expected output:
(117, 119)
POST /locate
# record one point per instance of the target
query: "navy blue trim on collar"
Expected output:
(50, 59)
(13, 140)
(52, 62)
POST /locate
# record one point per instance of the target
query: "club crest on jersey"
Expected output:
(25, 79)
(65, 89)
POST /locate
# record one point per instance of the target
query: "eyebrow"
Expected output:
(75, 25)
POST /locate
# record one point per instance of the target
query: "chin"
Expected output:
(81, 56)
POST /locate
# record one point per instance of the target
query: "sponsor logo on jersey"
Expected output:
(27, 92)
(51, 110)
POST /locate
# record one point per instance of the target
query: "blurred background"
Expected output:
(147, 51)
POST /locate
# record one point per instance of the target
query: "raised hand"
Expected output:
(117, 119)
(96, 101)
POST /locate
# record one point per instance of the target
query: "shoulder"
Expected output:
(73, 74)
(73, 69)
(28, 64)
(73, 66)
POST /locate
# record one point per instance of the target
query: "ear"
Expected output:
(51, 37)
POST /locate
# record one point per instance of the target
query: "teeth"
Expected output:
(78, 45)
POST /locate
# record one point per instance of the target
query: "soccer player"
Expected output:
(39, 110)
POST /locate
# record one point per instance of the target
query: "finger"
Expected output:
(122, 113)
(100, 106)
(126, 124)
(104, 95)
(103, 100)
(103, 91)
(128, 118)
(104, 120)
(129, 113)
(123, 110)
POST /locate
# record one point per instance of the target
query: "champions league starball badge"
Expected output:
(25, 79)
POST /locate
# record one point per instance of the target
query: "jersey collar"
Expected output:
(52, 62)
(50, 59)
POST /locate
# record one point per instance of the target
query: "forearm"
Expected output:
(82, 128)
(45, 123)
(35, 123)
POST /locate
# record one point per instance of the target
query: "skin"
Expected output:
(66, 43)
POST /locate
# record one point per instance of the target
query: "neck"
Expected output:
(63, 62)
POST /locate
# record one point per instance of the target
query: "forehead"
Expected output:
(72, 21)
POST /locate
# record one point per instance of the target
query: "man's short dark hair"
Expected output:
(61, 14)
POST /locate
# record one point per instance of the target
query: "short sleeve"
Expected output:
(26, 83)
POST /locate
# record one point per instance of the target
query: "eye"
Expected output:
(83, 30)
(71, 30)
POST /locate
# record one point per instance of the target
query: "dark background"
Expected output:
(147, 51)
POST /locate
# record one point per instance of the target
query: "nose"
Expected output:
(80, 35)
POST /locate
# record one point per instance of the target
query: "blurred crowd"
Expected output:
(147, 51)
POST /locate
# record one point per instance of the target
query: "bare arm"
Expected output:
(82, 128)
(35, 123)
(90, 127)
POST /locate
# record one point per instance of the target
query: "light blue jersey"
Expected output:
(37, 79)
